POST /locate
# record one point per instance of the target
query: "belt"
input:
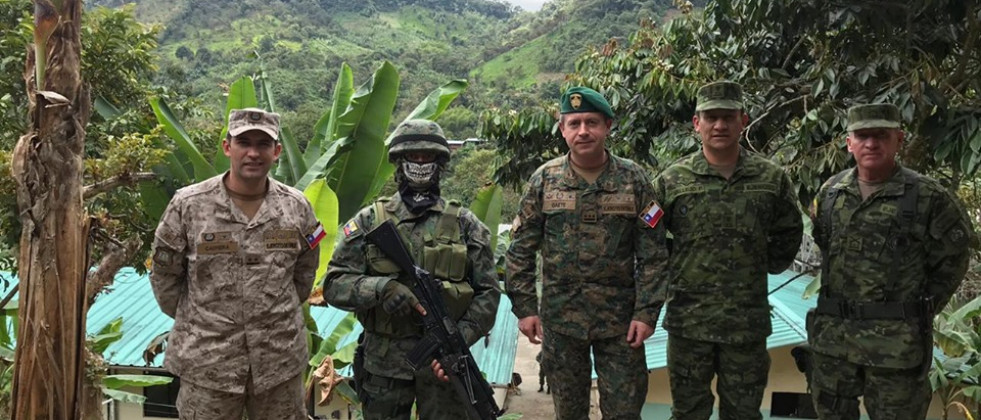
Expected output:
(871, 310)
(388, 383)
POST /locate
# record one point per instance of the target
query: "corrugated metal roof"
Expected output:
(131, 298)
(787, 317)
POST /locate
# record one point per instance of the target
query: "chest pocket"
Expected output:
(444, 255)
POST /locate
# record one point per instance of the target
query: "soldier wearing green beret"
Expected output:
(895, 248)
(594, 219)
(733, 216)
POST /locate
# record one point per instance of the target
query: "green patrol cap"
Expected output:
(720, 95)
(584, 99)
(873, 116)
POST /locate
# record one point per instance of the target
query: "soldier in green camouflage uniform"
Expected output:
(584, 212)
(734, 217)
(895, 247)
(445, 239)
(232, 263)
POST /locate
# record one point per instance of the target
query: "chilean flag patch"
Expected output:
(314, 238)
(652, 214)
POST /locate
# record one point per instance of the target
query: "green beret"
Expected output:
(584, 99)
(720, 95)
(873, 116)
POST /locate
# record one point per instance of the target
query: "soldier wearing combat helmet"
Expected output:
(445, 239)
(895, 248)
(234, 257)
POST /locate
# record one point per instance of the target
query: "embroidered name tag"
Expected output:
(618, 204)
(280, 239)
(559, 200)
(217, 243)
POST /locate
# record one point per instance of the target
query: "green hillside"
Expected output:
(510, 57)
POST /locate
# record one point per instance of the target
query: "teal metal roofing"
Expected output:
(787, 316)
(132, 299)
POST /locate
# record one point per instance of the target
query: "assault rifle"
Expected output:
(441, 337)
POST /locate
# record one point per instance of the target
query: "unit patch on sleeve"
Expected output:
(313, 238)
(652, 214)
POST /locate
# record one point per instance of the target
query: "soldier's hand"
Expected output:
(531, 327)
(438, 371)
(397, 299)
(638, 332)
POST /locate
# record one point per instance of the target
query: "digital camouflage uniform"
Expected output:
(727, 235)
(234, 287)
(599, 266)
(885, 275)
(358, 272)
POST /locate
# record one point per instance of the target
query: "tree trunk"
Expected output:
(47, 165)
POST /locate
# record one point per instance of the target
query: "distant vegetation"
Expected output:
(512, 58)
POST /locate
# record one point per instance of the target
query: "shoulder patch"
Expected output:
(314, 238)
(351, 228)
(652, 214)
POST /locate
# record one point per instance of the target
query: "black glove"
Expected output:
(397, 299)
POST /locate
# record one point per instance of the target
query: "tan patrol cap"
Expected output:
(242, 120)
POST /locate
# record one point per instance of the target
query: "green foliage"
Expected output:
(957, 378)
(799, 78)
(470, 170)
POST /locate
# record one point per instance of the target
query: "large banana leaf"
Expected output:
(326, 129)
(430, 108)
(487, 207)
(291, 164)
(172, 126)
(106, 109)
(324, 203)
(354, 158)
(241, 94)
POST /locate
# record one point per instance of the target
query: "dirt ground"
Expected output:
(526, 400)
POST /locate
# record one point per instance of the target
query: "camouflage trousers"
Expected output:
(742, 371)
(281, 402)
(621, 372)
(392, 399)
(894, 394)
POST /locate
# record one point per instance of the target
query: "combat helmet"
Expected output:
(418, 135)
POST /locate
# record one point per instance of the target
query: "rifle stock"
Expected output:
(442, 339)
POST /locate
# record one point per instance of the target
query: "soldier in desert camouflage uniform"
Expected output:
(233, 259)
(593, 218)
(445, 239)
(733, 217)
(896, 247)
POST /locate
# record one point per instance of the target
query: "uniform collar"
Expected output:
(893, 187)
(700, 165)
(229, 211)
(395, 208)
(607, 180)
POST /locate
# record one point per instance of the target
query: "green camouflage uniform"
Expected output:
(599, 266)
(460, 256)
(881, 285)
(727, 235)
(234, 287)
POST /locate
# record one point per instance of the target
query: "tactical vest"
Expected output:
(444, 255)
(842, 308)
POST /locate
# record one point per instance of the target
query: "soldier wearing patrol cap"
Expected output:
(594, 219)
(445, 239)
(895, 248)
(234, 257)
(734, 217)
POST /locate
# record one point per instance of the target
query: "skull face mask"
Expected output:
(420, 176)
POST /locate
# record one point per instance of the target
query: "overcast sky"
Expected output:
(531, 5)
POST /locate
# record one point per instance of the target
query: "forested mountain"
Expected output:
(512, 58)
